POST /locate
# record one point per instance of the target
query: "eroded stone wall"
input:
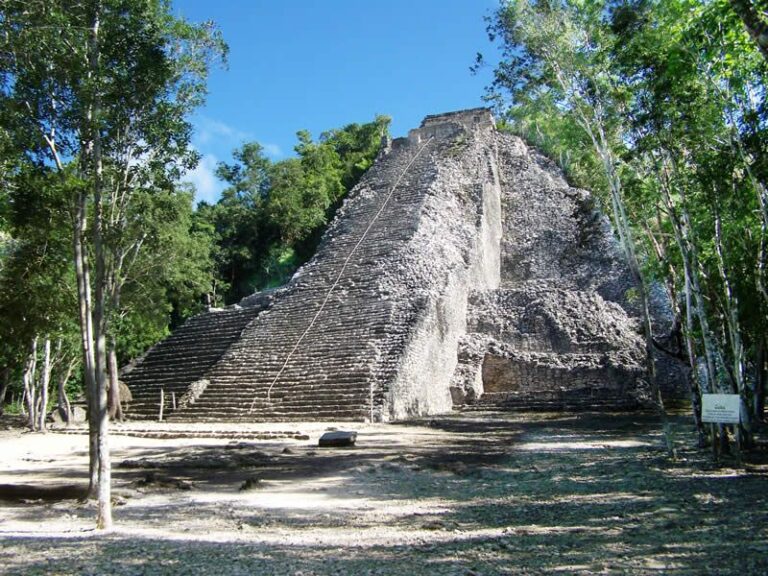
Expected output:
(455, 250)
(564, 322)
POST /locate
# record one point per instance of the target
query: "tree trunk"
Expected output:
(593, 125)
(760, 358)
(695, 388)
(683, 231)
(732, 311)
(648, 331)
(6, 380)
(762, 253)
(744, 428)
(45, 379)
(625, 234)
(82, 273)
(100, 317)
(755, 25)
(63, 400)
(689, 256)
(115, 402)
(28, 378)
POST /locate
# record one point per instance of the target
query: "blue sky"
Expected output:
(321, 64)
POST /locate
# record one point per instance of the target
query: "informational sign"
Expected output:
(721, 408)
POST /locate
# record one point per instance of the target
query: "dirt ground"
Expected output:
(483, 493)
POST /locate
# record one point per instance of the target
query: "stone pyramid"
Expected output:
(461, 270)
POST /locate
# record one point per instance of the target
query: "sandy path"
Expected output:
(481, 494)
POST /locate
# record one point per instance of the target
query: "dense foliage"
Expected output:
(159, 259)
(660, 107)
(272, 214)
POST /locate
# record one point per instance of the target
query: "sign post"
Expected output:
(721, 408)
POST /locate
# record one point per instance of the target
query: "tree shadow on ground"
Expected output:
(570, 494)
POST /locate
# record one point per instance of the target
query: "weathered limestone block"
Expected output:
(193, 392)
(77, 415)
(454, 251)
(337, 439)
(534, 317)
(126, 396)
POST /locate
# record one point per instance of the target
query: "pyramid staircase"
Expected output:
(309, 356)
(326, 340)
(182, 359)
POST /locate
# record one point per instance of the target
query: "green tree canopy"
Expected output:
(270, 217)
(99, 91)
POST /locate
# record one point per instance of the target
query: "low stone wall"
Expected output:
(525, 376)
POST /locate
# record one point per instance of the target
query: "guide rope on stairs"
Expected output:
(339, 276)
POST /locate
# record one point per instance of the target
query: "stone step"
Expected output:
(538, 402)
(276, 403)
(288, 378)
(185, 356)
(280, 393)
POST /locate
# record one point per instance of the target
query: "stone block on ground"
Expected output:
(125, 392)
(77, 415)
(337, 439)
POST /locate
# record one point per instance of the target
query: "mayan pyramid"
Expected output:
(462, 270)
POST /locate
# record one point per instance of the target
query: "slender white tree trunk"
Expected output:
(662, 251)
(734, 335)
(116, 407)
(596, 133)
(28, 378)
(688, 252)
(760, 358)
(63, 400)
(45, 379)
(695, 376)
(732, 313)
(689, 257)
(100, 319)
(82, 274)
(4, 387)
